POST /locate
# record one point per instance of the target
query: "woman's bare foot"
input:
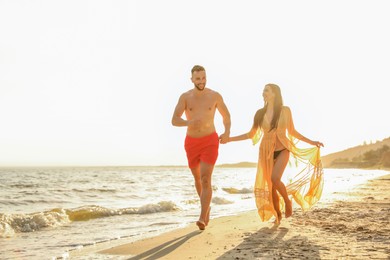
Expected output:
(278, 218)
(288, 212)
(201, 225)
(207, 217)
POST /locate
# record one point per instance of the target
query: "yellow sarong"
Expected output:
(306, 186)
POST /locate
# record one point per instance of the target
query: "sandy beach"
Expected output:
(356, 227)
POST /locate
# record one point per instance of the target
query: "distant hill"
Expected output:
(374, 155)
(238, 165)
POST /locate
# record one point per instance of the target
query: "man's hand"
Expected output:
(224, 138)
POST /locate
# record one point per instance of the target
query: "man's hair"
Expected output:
(197, 68)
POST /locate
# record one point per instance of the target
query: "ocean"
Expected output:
(47, 212)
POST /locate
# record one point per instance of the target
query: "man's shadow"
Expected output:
(165, 248)
(268, 243)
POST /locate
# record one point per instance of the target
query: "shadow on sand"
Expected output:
(165, 248)
(268, 243)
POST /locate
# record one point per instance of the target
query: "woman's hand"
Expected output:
(318, 144)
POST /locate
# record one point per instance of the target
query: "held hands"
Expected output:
(224, 138)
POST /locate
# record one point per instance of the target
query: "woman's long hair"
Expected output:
(278, 104)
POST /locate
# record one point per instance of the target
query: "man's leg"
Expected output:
(206, 171)
(198, 184)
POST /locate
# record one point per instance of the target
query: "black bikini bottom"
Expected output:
(276, 153)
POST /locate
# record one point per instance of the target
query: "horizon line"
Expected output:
(113, 166)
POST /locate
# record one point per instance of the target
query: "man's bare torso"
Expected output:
(201, 106)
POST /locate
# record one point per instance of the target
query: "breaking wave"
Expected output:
(15, 223)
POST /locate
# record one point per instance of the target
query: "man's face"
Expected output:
(199, 79)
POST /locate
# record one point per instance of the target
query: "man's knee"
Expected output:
(206, 180)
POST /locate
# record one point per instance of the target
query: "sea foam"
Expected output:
(15, 223)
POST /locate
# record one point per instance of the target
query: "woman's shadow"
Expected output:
(268, 243)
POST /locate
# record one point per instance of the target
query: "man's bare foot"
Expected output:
(201, 225)
(207, 217)
(288, 212)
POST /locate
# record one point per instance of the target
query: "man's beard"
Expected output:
(200, 89)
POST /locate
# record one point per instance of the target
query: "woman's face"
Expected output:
(268, 95)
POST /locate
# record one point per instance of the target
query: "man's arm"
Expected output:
(179, 110)
(223, 110)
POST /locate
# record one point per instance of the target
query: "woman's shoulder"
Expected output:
(286, 111)
(260, 111)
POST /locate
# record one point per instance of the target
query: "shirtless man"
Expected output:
(202, 141)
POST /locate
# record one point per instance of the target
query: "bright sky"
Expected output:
(96, 82)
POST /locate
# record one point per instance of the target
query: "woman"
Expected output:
(270, 124)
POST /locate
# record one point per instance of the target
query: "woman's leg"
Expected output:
(275, 201)
(277, 172)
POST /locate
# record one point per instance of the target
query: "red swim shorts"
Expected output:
(203, 149)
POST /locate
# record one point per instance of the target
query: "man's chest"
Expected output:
(201, 105)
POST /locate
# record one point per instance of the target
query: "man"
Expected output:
(202, 141)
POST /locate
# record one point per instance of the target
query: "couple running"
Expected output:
(269, 125)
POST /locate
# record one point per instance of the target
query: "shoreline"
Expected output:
(345, 229)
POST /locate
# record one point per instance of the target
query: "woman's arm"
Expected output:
(242, 137)
(248, 135)
(292, 131)
(311, 142)
(238, 138)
